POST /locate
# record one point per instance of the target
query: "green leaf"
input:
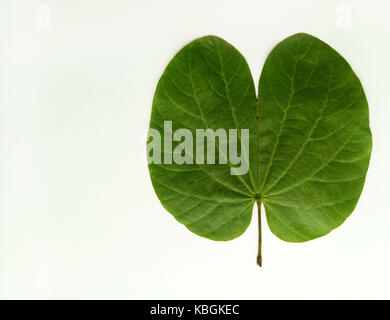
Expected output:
(309, 139)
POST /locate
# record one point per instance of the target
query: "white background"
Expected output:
(78, 214)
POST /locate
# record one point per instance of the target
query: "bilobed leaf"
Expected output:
(309, 144)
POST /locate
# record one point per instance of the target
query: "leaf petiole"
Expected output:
(259, 258)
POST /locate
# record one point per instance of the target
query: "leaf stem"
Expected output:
(259, 258)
